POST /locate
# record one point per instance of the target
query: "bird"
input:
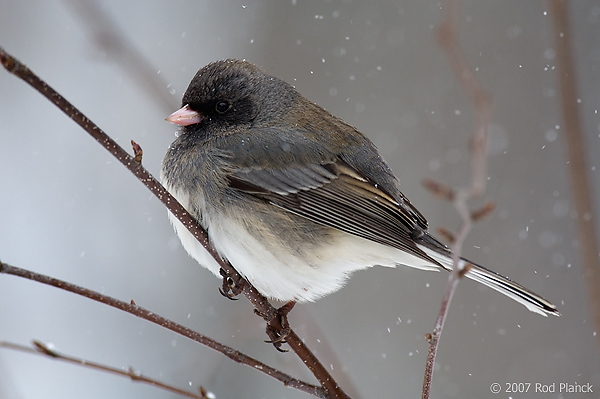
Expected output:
(292, 196)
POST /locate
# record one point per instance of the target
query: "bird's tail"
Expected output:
(532, 301)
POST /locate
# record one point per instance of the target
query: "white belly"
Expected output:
(278, 271)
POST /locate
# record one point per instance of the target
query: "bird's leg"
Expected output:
(231, 287)
(279, 333)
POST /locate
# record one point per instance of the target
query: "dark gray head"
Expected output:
(231, 93)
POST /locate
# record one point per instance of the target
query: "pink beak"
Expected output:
(185, 116)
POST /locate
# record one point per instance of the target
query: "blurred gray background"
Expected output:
(69, 210)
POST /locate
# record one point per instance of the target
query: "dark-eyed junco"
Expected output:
(295, 198)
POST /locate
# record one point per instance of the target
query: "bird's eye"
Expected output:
(222, 107)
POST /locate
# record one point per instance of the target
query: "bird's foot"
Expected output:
(231, 287)
(279, 332)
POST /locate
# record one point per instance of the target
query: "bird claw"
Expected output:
(231, 288)
(278, 335)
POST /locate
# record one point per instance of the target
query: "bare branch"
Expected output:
(447, 38)
(145, 314)
(109, 38)
(440, 190)
(577, 158)
(42, 349)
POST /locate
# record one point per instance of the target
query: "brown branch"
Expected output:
(260, 303)
(447, 38)
(108, 37)
(145, 314)
(578, 170)
(39, 348)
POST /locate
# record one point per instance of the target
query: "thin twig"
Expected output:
(447, 38)
(109, 38)
(578, 170)
(260, 303)
(39, 348)
(145, 314)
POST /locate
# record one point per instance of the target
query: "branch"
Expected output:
(577, 158)
(108, 37)
(42, 349)
(447, 38)
(260, 303)
(133, 309)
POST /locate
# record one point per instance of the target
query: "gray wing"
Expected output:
(335, 195)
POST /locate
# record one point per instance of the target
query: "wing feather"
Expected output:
(337, 196)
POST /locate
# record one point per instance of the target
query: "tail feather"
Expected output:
(498, 282)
